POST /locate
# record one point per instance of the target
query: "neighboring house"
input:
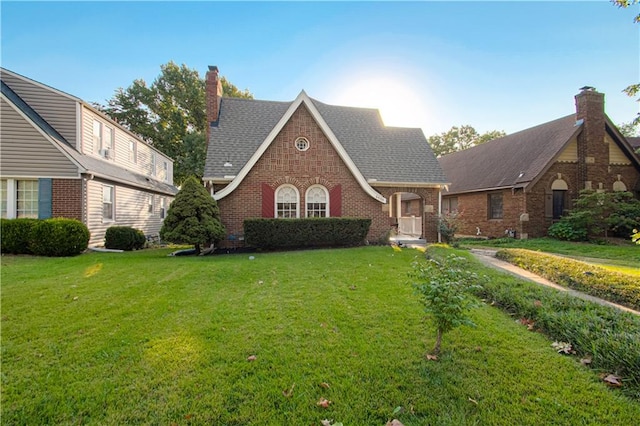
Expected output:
(308, 159)
(635, 143)
(60, 157)
(525, 181)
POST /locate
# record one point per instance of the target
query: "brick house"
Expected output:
(305, 158)
(61, 157)
(524, 182)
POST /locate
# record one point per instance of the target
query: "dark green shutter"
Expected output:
(45, 198)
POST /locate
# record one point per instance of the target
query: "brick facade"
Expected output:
(67, 198)
(528, 211)
(282, 163)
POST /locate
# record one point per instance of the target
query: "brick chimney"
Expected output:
(213, 96)
(593, 151)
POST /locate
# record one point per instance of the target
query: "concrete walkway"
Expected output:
(487, 257)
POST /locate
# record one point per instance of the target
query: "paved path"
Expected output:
(487, 257)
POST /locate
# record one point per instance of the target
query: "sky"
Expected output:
(433, 65)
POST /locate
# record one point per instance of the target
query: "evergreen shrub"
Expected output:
(15, 235)
(124, 238)
(59, 237)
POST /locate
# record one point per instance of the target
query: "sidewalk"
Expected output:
(487, 257)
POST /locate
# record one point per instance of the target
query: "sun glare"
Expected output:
(400, 104)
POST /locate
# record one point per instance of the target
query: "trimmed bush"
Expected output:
(596, 281)
(59, 237)
(124, 238)
(308, 232)
(15, 235)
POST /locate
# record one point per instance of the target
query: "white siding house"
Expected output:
(63, 158)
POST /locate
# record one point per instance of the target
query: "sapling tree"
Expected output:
(193, 217)
(445, 287)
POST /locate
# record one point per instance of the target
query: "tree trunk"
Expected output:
(197, 248)
(436, 349)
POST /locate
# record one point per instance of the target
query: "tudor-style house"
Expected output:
(305, 158)
(526, 181)
(61, 157)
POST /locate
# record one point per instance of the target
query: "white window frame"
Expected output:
(150, 204)
(97, 136)
(163, 212)
(302, 144)
(112, 192)
(277, 194)
(4, 198)
(152, 164)
(133, 151)
(165, 171)
(326, 202)
(32, 211)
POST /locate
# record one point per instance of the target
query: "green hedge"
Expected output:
(311, 232)
(59, 237)
(15, 235)
(607, 335)
(124, 238)
(596, 281)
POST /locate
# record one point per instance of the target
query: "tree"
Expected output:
(446, 291)
(629, 130)
(170, 114)
(633, 89)
(193, 217)
(459, 138)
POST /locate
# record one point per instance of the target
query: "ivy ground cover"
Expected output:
(141, 338)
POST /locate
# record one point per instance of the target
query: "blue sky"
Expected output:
(493, 65)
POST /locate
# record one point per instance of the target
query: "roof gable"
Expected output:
(515, 160)
(302, 99)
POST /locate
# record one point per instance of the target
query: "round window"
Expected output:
(302, 144)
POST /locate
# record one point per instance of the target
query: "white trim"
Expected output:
(327, 195)
(275, 199)
(409, 184)
(79, 128)
(113, 203)
(53, 141)
(302, 98)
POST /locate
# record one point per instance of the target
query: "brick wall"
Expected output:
(67, 198)
(283, 163)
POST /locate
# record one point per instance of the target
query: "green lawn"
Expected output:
(142, 338)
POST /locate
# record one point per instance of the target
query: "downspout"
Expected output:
(439, 213)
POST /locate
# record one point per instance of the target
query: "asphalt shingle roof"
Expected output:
(88, 163)
(510, 161)
(387, 154)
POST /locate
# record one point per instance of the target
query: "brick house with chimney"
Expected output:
(525, 181)
(305, 158)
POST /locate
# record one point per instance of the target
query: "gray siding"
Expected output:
(57, 109)
(26, 152)
(131, 209)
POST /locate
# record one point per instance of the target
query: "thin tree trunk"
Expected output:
(436, 349)
(197, 248)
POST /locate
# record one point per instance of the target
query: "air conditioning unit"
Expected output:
(106, 153)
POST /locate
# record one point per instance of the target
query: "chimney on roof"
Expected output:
(213, 96)
(593, 151)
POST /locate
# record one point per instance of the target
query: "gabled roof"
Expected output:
(511, 161)
(375, 154)
(85, 163)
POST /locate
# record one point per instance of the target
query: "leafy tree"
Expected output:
(445, 288)
(459, 138)
(633, 89)
(193, 217)
(629, 130)
(170, 114)
(597, 213)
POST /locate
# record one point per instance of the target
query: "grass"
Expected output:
(141, 338)
(625, 254)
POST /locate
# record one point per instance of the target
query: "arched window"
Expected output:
(317, 198)
(619, 186)
(287, 199)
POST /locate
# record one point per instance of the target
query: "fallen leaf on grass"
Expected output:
(473, 400)
(612, 380)
(289, 392)
(324, 403)
(324, 385)
(478, 349)
(431, 357)
(563, 347)
(394, 422)
(585, 361)
(252, 358)
(537, 303)
(528, 322)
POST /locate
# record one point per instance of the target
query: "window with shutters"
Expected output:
(27, 198)
(287, 202)
(317, 200)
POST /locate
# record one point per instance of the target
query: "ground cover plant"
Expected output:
(137, 337)
(612, 286)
